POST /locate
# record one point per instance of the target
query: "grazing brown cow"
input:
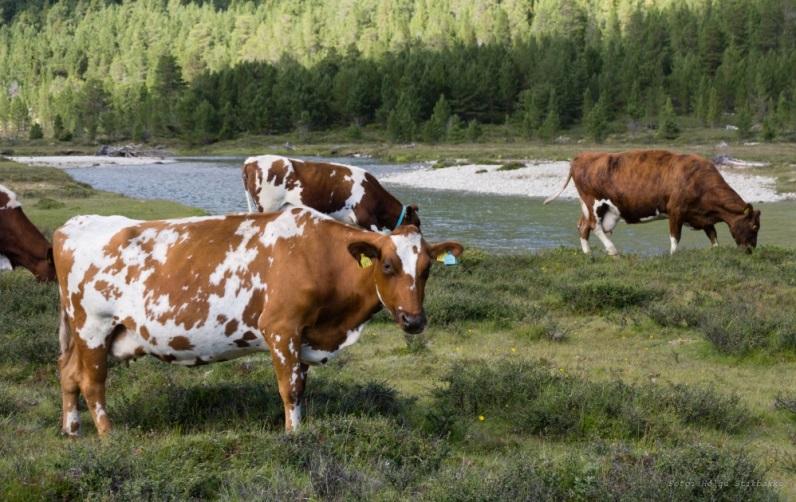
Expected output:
(200, 290)
(647, 185)
(21, 243)
(346, 193)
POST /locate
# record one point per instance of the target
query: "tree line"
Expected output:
(205, 71)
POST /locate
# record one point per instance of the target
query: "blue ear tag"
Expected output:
(449, 259)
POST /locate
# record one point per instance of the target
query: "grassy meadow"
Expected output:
(547, 376)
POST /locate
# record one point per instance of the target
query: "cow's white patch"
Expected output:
(610, 216)
(310, 355)
(609, 246)
(12, 198)
(357, 178)
(5, 263)
(273, 195)
(673, 242)
(584, 245)
(99, 411)
(408, 247)
(657, 216)
(125, 345)
(284, 226)
(71, 418)
(295, 416)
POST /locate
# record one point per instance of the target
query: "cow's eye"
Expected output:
(387, 268)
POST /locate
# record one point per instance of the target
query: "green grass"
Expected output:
(541, 376)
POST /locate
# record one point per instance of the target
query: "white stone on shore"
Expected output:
(69, 161)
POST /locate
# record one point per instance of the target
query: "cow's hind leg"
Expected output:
(710, 231)
(675, 231)
(83, 370)
(92, 386)
(584, 229)
(585, 224)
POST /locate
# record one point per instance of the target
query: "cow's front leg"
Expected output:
(291, 373)
(710, 231)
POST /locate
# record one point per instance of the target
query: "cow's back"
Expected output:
(641, 182)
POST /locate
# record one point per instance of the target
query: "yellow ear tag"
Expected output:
(364, 261)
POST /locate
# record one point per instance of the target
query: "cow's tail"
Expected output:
(63, 331)
(564, 187)
(249, 202)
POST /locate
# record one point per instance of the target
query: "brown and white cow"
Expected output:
(21, 243)
(646, 185)
(346, 193)
(200, 290)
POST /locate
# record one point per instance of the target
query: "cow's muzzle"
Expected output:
(412, 323)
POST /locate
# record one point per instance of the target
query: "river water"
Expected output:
(490, 222)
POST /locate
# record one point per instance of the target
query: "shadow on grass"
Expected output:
(223, 406)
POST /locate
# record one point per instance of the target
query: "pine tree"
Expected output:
(400, 122)
(58, 128)
(597, 121)
(19, 115)
(713, 113)
(36, 131)
(587, 104)
(474, 131)
(532, 110)
(436, 128)
(552, 122)
(744, 122)
(667, 122)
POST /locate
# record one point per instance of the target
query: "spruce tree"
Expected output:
(36, 131)
(713, 113)
(667, 122)
(744, 122)
(400, 121)
(597, 121)
(436, 128)
(474, 131)
(552, 122)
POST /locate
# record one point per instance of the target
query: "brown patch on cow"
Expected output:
(253, 309)
(74, 427)
(180, 343)
(166, 358)
(249, 335)
(241, 343)
(139, 351)
(144, 332)
(221, 318)
(232, 326)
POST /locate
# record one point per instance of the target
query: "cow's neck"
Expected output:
(26, 252)
(389, 211)
(731, 205)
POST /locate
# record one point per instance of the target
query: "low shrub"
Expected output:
(511, 166)
(46, 203)
(697, 472)
(28, 319)
(533, 398)
(600, 295)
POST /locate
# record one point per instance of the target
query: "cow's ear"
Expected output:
(451, 247)
(360, 248)
(412, 216)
